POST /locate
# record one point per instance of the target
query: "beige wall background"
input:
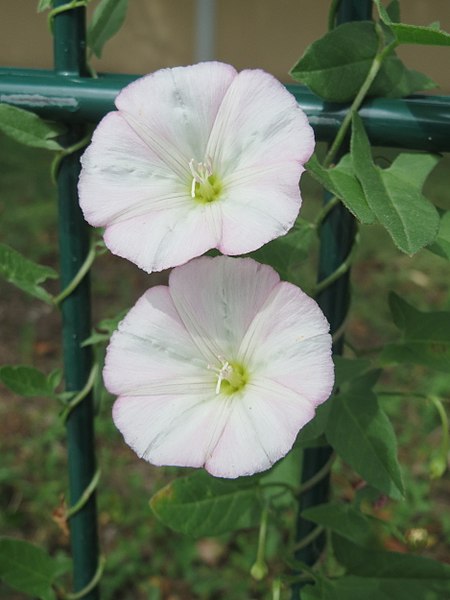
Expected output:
(269, 34)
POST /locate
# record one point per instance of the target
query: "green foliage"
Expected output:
(336, 66)
(44, 5)
(312, 434)
(27, 568)
(414, 34)
(425, 336)
(29, 129)
(441, 245)
(348, 369)
(402, 576)
(285, 253)
(107, 19)
(343, 183)
(361, 433)
(24, 273)
(104, 330)
(200, 504)
(394, 194)
(345, 520)
(28, 381)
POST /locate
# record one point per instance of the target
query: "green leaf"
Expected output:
(347, 369)
(363, 436)
(397, 576)
(310, 435)
(104, 330)
(336, 66)
(27, 128)
(393, 11)
(286, 472)
(312, 592)
(27, 568)
(202, 505)
(107, 19)
(396, 81)
(394, 194)
(28, 381)
(425, 336)
(342, 182)
(285, 253)
(441, 245)
(377, 588)
(44, 5)
(414, 34)
(24, 273)
(345, 520)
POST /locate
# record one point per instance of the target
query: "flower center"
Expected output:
(231, 377)
(206, 186)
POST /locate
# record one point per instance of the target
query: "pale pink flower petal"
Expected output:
(195, 158)
(203, 376)
(289, 342)
(218, 299)
(261, 428)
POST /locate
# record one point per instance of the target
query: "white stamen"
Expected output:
(201, 171)
(223, 373)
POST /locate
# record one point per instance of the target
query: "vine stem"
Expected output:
(81, 394)
(318, 476)
(85, 496)
(327, 208)
(309, 538)
(377, 62)
(343, 268)
(335, 4)
(90, 586)
(78, 277)
(69, 6)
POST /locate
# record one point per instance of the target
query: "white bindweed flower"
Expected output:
(196, 158)
(220, 369)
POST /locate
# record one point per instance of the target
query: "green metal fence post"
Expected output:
(69, 52)
(336, 240)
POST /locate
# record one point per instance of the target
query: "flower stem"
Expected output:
(259, 570)
(276, 589)
(439, 464)
(377, 62)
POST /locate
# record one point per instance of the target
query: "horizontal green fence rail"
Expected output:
(419, 122)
